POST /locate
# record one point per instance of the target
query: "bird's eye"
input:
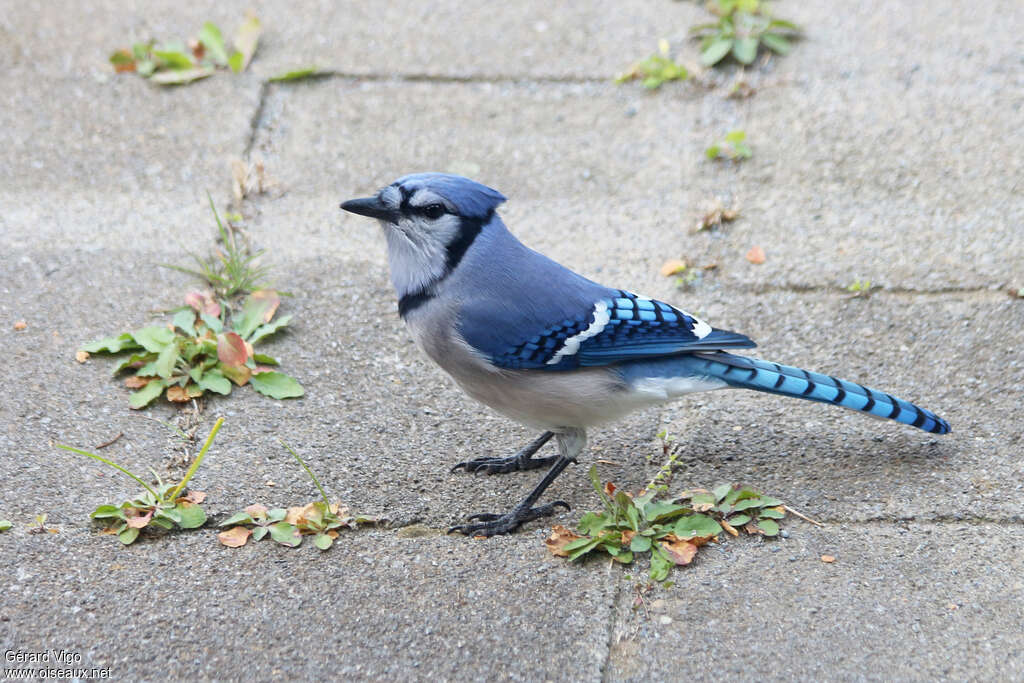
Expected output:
(433, 211)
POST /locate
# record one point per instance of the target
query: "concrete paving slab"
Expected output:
(525, 40)
(376, 606)
(899, 603)
(383, 425)
(879, 154)
(574, 162)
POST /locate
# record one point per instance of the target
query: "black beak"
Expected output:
(372, 207)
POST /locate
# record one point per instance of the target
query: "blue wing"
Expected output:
(615, 326)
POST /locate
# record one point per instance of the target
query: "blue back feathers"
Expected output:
(472, 199)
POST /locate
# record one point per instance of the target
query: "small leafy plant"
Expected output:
(320, 519)
(161, 507)
(742, 27)
(733, 147)
(656, 70)
(670, 530)
(860, 287)
(173, 63)
(205, 348)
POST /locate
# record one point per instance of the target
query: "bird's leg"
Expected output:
(520, 462)
(570, 444)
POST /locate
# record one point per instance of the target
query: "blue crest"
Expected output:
(472, 199)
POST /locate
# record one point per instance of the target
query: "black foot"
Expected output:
(515, 463)
(490, 524)
(520, 462)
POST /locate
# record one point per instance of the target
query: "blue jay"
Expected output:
(547, 347)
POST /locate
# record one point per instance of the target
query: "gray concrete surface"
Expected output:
(886, 148)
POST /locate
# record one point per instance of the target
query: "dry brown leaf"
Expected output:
(256, 510)
(20, 325)
(609, 488)
(751, 528)
(81, 356)
(332, 533)
(248, 178)
(756, 255)
(196, 497)
(681, 552)
(235, 537)
(627, 537)
(136, 382)
(178, 394)
(296, 514)
(828, 559)
(716, 216)
(673, 266)
(729, 528)
(559, 538)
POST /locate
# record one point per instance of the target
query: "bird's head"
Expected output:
(430, 220)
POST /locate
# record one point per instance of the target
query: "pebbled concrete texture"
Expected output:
(884, 150)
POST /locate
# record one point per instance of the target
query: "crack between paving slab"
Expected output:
(999, 293)
(613, 622)
(254, 122)
(465, 78)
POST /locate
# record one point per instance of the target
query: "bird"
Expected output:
(553, 350)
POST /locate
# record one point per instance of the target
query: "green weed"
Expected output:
(320, 519)
(671, 530)
(656, 70)
(174, 63)
(733, 147)
(162, 506)
(743, 26)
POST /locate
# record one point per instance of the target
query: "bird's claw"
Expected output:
(490, 524)
(514, 463)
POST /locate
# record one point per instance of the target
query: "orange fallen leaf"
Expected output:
(196, 497)
(756, 255)
(627, 537)
(256, 510)
(235, 537)
(136, 382)
(20, 325)
(296, 513)
(673, 267)
(729, 527)
(332, 533)
(680, 552)
(81, 356)
(177, 394)
(609, 488)
(559, 538)
(828, 559)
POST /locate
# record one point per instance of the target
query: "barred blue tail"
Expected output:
(759, 375)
